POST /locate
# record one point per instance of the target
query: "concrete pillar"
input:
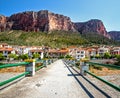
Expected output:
(44, 63)
(30, 68)
(73, 62)
(84, 66)
(51, 60)
(41, 55)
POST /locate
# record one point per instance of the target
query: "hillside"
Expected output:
(53, 39)
(94, 38)
(115, 35)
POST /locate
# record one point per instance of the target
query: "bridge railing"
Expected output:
(84, 68)
(101, 79)
(16, 77)
(30, 69)
(44, 63)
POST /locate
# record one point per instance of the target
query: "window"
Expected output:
(82, 52)
(82, 55)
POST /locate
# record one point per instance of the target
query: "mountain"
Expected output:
(115, 35)
(40, 21)
(93, 25)
(4, 24)
(46, 21)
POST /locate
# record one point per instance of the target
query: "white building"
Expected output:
(102, 51)
(39, 51)
(115, 51)
(80, 54)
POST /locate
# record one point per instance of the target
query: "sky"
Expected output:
(78, 10)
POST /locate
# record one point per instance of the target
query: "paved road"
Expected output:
(56, 81)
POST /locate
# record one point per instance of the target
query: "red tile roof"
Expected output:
(36, 50)
(6, 49)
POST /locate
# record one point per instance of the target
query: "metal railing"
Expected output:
(108, 83)
(105, 65)
(108, 66)
(85, 69)
(13, 78)
(16, 77)
(13, 65)
(43, 62)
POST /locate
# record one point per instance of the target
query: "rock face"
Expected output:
(41, 21)
(60, 22)
(4, 24)
(115, 35)
(93, 25)
(46, 21)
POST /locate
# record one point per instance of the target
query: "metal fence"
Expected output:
(84, 68)
(30, 69)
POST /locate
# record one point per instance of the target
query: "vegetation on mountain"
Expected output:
(53, 39)
(94, 38)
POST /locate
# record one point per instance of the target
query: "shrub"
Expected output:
(36, 55)
(24, 56)
(12, 56)
(1, 56)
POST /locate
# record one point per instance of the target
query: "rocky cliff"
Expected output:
(93, 25)
(41, 21)
(115, 35)
(47, 21)
(60, 22)
(4, 24)
(3, 21)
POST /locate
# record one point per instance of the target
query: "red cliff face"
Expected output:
(41, 21)
(60, 22)
(4, 24)
(93, 25)
(46, 21)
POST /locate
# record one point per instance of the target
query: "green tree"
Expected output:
(97, 56)
(118, 60)
(12, 56)
(61, 57)
(23, 56)
(36, 55)
(1, 56)
(68, 56)
(107, 55)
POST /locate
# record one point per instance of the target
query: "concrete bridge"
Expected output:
(59, 80)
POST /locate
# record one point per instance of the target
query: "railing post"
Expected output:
(51, 60)
(30, 68)
(84, 66)
(73, 62)
(44, 63)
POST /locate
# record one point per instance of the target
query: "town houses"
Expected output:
(6, 49)
(73, 51)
